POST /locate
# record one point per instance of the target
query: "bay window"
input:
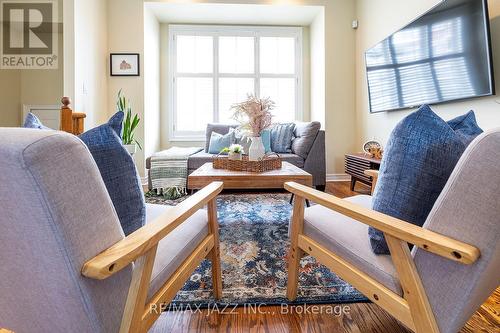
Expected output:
(213, 67)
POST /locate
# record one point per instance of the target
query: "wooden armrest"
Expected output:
(423, 238)
(139, 242)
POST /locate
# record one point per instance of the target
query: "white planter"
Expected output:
(132, 149)
(256, 150)
(234, 156)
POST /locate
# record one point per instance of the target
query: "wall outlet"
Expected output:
(355, 24)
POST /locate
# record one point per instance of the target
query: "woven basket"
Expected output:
(267, 163)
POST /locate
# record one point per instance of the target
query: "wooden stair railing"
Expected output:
(71, 122)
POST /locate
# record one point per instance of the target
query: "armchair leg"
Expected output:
(137, 294)
(214, 254)
(295, 252)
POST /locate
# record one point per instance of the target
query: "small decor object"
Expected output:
(129, 124)
(124, 64)
(373, 148)
(256, 150)
(235, 152)
(255, 116)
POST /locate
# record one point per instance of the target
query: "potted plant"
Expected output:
(234, 151)
(129, 124)
(254, 115)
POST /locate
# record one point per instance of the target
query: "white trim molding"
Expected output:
(338, 177)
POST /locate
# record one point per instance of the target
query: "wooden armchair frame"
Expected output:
(413, 309)
(140, 247)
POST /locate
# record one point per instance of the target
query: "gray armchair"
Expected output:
(454, 265)
(65, 263)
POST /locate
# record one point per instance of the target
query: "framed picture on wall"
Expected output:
(124, 64)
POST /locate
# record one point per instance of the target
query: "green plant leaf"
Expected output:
(126, 129)
(129, 123)
(134, 124)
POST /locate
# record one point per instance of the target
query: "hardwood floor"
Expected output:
(361, 317)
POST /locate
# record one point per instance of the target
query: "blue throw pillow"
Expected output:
(32, 121)
(466, 126)
(220, 141)
(419, 157)
(282, 136)
(266, 140)
(118, 171)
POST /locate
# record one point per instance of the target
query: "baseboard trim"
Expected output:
(338, 177)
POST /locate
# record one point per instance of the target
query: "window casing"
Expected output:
(212, 67)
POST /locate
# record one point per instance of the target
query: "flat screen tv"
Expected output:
(442, 56)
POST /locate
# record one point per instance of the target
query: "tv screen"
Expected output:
(443, 55)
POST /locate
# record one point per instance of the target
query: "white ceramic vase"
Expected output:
(256, 150)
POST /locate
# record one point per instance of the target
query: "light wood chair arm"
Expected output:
(374, 175)
(141, 241)
(423, 238)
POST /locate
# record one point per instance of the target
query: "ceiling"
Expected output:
(247, 14)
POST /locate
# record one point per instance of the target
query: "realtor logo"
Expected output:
(28, 34)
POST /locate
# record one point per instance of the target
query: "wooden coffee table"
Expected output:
(206, 174)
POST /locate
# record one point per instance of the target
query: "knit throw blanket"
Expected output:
(169, 171)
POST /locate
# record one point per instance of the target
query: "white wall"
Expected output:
(90, 61)
(152, 84)
(10, 97)
(125, 23)
(41, 86)
(375, 25)
(317, 68)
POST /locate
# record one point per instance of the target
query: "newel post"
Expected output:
(66, 116)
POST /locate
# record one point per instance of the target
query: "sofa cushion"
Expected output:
(420, 155)
(197, 160)
(281, 138)
(220, 141)
(293, 159)
(118, 171)
(176, 246)
(305, 134)
(348, 239)
(33, 121)
(217, 128)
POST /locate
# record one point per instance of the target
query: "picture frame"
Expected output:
(124, 64)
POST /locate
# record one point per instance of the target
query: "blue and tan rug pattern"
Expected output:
(254, 250)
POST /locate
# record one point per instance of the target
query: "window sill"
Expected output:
(196, 139)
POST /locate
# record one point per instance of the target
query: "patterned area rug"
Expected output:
(254, 250)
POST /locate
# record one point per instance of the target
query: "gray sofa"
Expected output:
(308, 151)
